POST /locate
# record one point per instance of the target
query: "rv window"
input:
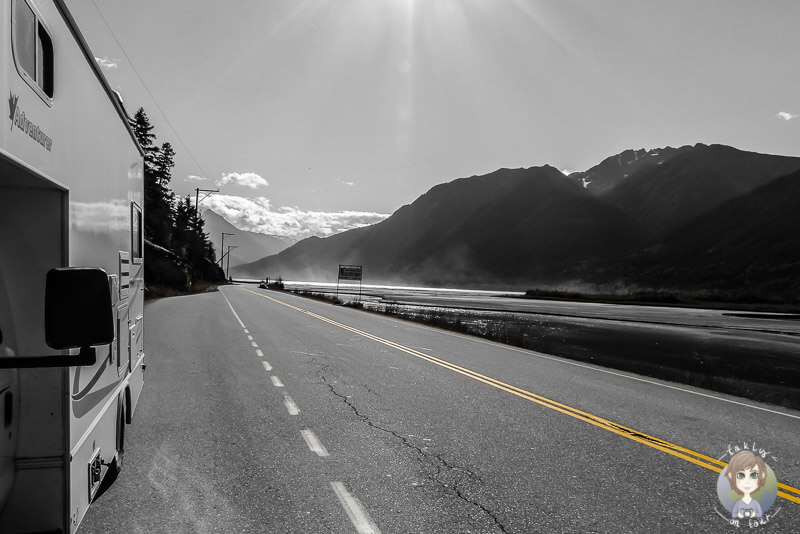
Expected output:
(136, 233)
(33, 49)
(44, 70)
(25, 37)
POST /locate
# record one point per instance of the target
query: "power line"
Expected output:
(146, 88)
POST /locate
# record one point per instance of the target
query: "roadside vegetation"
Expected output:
(276, 284)
(156, 291)
(718, 300)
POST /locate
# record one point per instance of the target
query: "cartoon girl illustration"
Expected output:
(746, 474)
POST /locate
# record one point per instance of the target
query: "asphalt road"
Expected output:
(334, 420)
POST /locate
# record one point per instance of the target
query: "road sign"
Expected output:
(350, 272)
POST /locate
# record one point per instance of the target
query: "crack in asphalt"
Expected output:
(312, 360)
(441, 463)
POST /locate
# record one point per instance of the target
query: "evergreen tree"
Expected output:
(144, 134)
(163, 162)
(170, 224)
(181, 236)
(191, 244)
(158, 197)
(200, 245)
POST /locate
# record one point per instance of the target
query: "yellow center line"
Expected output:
(702, 460)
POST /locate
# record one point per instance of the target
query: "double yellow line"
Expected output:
(787, 492)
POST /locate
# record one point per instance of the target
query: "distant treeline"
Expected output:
(181, 252)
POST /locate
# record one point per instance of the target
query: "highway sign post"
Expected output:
(350, 273)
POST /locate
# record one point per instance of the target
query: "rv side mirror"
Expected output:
(78, 312)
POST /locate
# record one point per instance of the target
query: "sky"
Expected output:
(315, 116)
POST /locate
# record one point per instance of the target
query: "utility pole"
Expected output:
(222, 246)
(228, 270)
(197, 201)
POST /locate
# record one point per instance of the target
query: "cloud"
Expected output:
(101, 216)
(246, 179)
(567, 172)
(785, 115)
(258, 215)
(106, 63)
(195, 178)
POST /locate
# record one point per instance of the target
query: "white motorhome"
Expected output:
(71, 339)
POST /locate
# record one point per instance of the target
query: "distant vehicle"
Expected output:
(71, 339)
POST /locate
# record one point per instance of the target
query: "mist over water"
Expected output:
(390, 289)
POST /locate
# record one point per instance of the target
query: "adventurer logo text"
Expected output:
(18, 119)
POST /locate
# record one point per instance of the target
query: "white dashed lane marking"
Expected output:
(290, 405)
(313, 443)
(352, 506)
(355, 511)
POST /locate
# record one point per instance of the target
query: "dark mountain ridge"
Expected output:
(462, 231)
(614, 170)
(749, 245)
(693, 181)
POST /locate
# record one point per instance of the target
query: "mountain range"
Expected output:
(702, 217)
(250, 246)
